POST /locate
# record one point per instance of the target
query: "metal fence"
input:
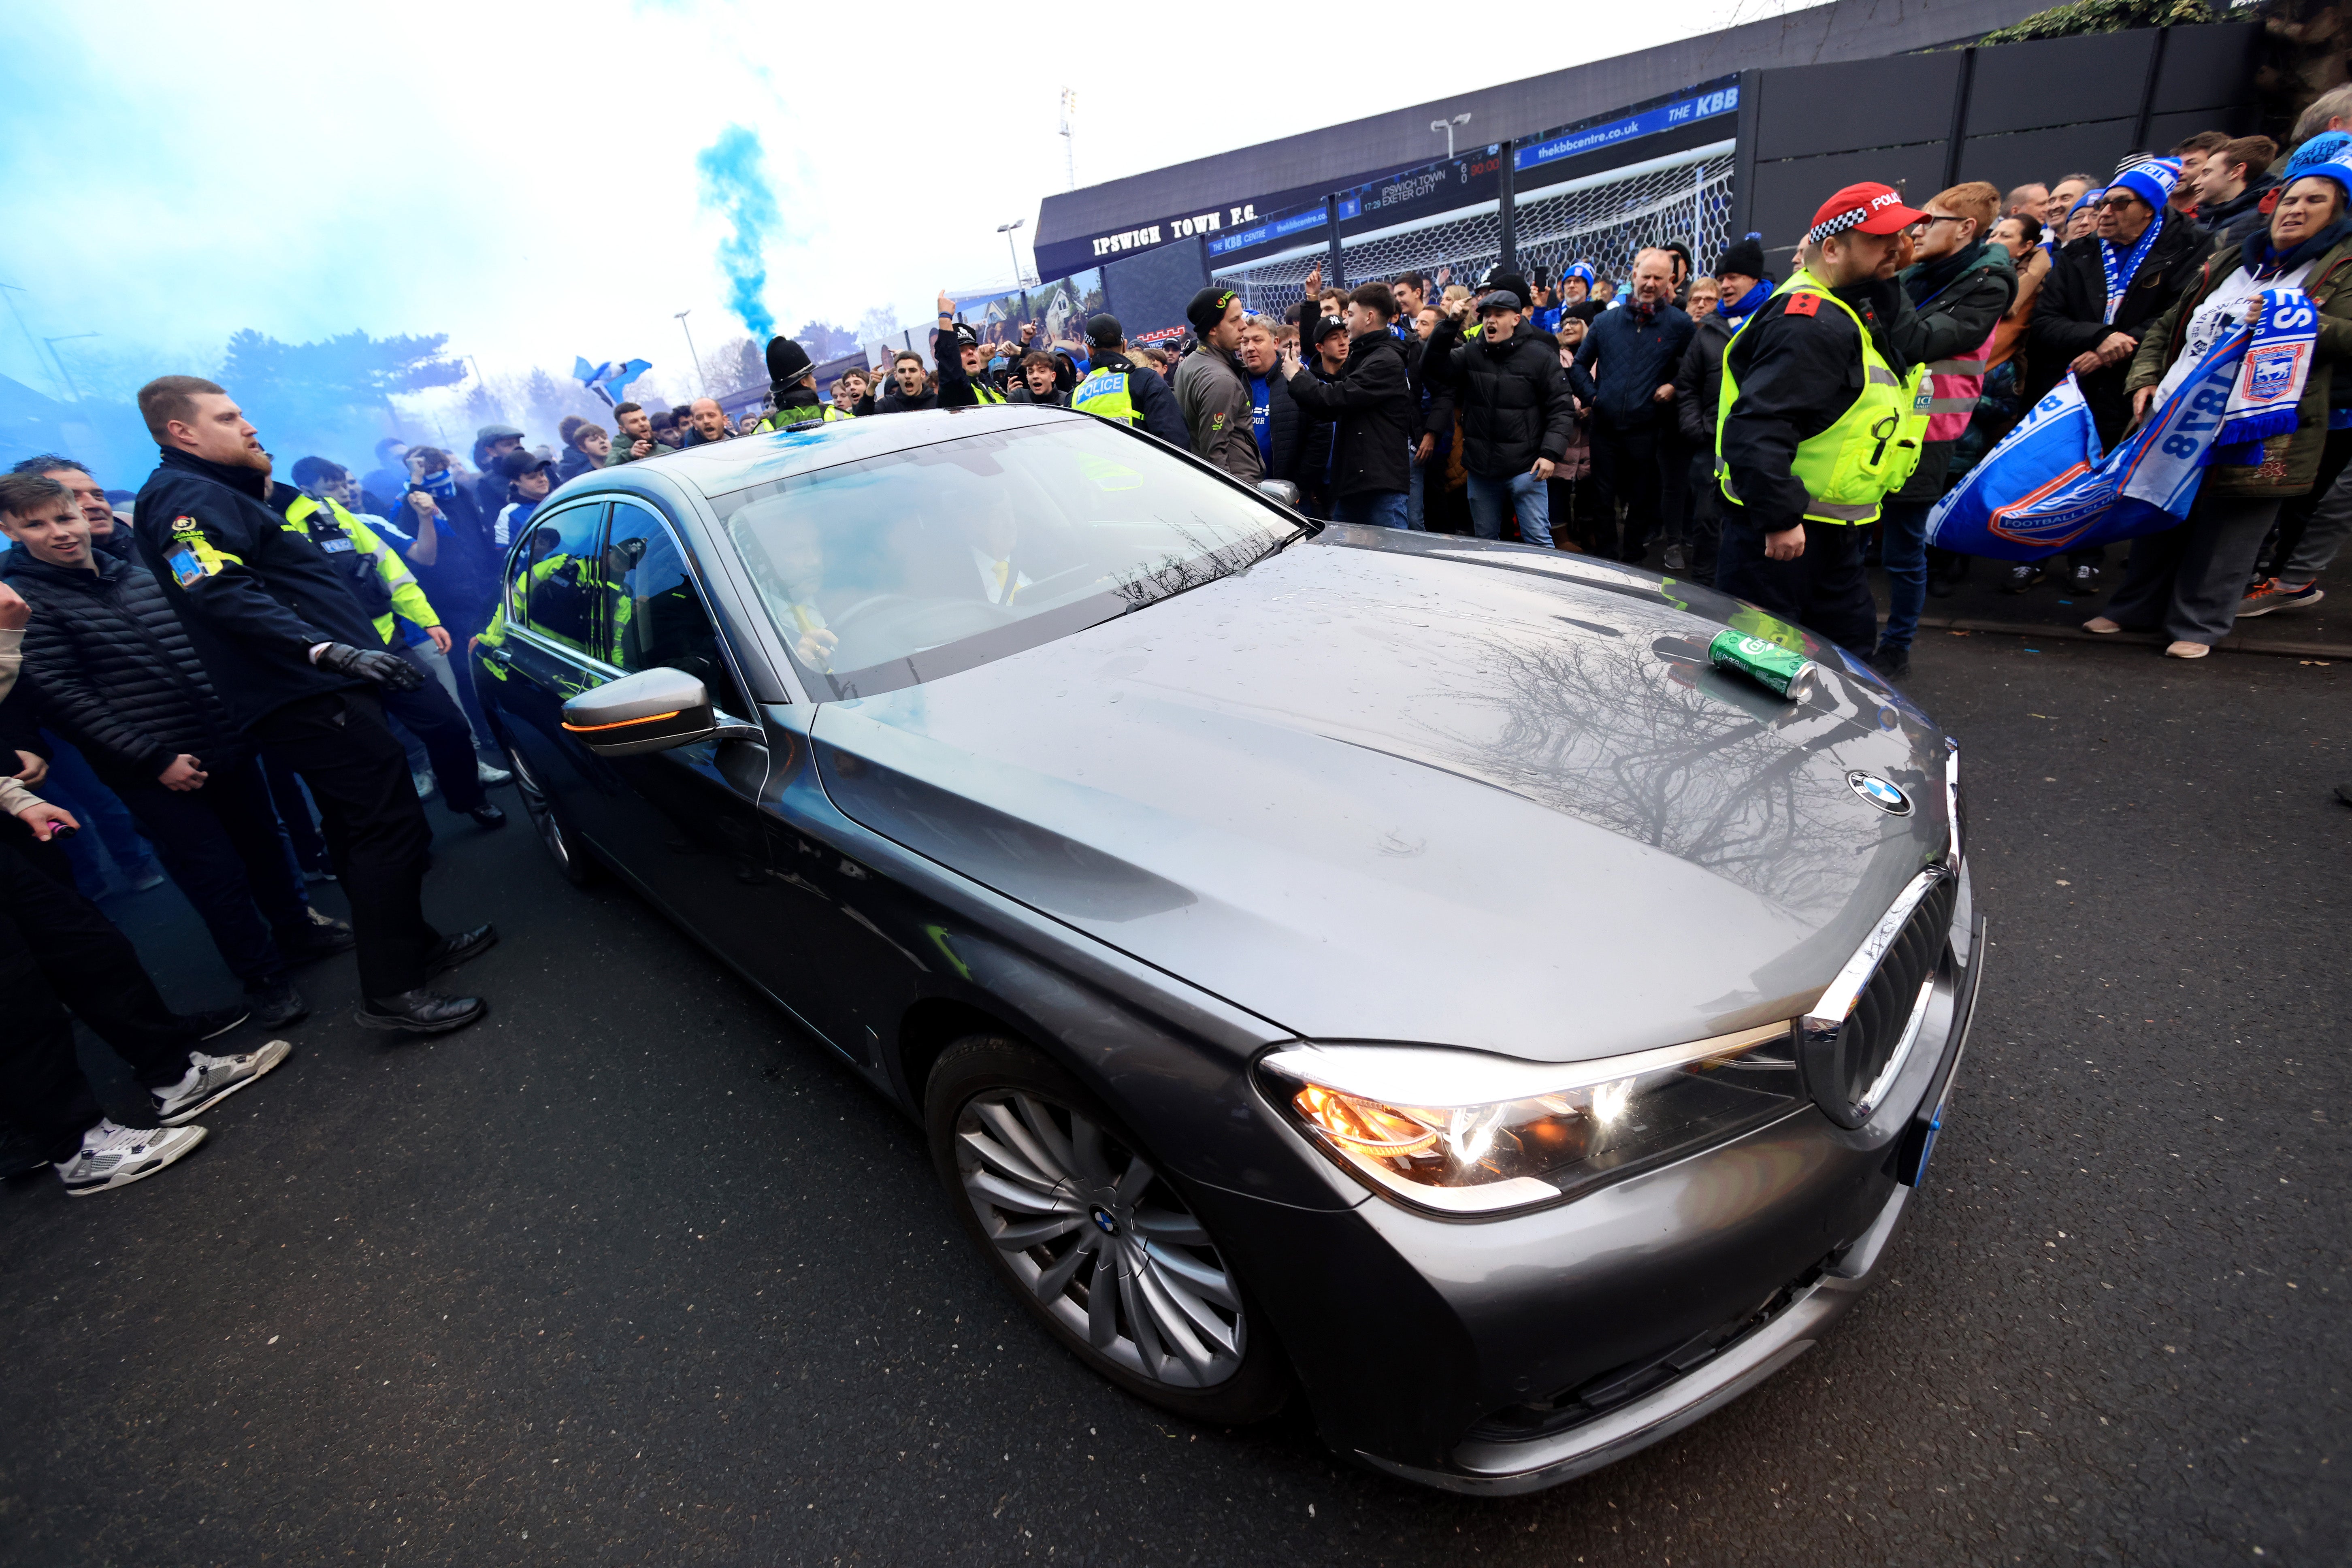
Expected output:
(1602, 219)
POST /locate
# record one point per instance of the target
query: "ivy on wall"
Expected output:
(2101, 17)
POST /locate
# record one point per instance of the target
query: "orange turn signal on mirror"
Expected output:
(622, 723)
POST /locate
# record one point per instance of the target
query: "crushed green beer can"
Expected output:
(1781, 671)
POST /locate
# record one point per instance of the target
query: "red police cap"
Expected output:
(1872, 209)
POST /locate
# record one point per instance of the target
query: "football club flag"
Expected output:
(2046, 488)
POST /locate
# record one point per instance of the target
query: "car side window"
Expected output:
(654, 616)
(552, 578)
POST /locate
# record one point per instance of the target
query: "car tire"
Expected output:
(1172, 1323)
(576, 862)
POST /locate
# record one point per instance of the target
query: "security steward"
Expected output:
(1819, 420)
(791, 381)
(1117, 388)
(300, 670)
(386, 591)
(962, 381)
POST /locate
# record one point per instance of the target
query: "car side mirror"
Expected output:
(1282, 491)
(651, 710)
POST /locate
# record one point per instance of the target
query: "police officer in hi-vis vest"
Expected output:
(1820, 420)
(1116, 387)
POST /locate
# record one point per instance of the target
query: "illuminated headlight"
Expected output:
(1468, 1133)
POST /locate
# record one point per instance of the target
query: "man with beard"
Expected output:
(297, 665)
(1211, 391)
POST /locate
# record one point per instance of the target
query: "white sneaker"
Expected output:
(212, 1079)
(490, 775)
(112, 1156)
(425, 786)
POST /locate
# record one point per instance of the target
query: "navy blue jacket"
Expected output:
(1636, 357)
(255, 596)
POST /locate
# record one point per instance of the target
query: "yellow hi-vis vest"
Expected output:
(1851, 467)
(1104, 394)
(378, 577)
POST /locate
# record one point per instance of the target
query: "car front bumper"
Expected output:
(1415, 1330)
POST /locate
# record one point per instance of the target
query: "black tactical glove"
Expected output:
(387, 669)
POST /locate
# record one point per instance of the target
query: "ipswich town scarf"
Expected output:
(2121, 270)
(2269, 386)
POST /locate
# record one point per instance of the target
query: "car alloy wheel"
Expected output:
(577, 867)
(1097, 1241)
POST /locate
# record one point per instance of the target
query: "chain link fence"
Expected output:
(1603, 219)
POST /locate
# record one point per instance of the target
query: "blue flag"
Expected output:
(2046, 488)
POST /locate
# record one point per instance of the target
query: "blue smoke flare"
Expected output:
(735, 186)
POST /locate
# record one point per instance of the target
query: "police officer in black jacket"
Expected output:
(297, 665)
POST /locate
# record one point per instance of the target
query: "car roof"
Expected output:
(722, 467)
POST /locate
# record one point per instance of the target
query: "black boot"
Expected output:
(419, 1012)
(460, 947)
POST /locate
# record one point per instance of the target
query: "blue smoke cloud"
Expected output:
(735, 186)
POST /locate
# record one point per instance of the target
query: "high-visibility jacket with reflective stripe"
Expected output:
(382, 580)
(1105, 394)
(1868, 453)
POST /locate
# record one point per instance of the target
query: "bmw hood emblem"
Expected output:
(1880, 794)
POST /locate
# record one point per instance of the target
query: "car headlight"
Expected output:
(1466, 1133)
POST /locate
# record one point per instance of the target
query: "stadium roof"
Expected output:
(1340, 155)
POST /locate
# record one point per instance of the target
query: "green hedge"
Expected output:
(2101, 17)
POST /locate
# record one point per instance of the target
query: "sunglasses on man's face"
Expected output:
(2117, 204)
(1928, 222)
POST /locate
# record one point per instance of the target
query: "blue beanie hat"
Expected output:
(2152, 180)
(2327, 147)
(1580, 269)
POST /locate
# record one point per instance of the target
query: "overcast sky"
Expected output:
(522, 177)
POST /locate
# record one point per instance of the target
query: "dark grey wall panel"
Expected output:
(1149, 291)
(2207, 68)
(2165, 131)
(1817, 109)
(2054, 81)
(2047, 156)
(1790, 192)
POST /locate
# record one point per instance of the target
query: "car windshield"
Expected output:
(907, 567)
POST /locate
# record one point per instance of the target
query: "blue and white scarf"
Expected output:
(441, 484)
(2268, 390)
(2048, 487)
(2120, 274)
(1737, 311)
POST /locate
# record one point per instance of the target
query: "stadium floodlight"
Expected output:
(1447, 126)
(1018, 277)
(1069, 153)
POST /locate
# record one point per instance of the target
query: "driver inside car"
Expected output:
(796, 556)
(993, 537)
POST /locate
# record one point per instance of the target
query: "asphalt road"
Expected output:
(632, 1273)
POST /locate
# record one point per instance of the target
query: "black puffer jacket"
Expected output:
(1513, 397)
(117, 674)
(2069, 316)
(1371, 404)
